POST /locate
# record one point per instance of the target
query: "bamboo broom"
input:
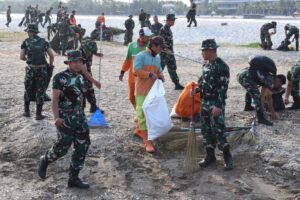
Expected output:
(190, 162)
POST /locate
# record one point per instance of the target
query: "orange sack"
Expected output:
(183, 107)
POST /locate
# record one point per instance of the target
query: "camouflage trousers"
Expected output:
(74, 130)
(63, 44)
(35, 84)
(251, 87)
(128, 37)
(89, 94)
(213, 128)
(295, 90)
(170, 61)
(265, 38)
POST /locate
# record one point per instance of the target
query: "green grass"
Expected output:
(251, 45)
(12, 36)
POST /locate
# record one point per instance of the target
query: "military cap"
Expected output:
(209, 44)
(32, 28)
(170, 17)
(74, 55)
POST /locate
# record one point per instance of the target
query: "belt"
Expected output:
(38, 66)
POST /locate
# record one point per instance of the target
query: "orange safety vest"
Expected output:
(101, 19)
(72, 21)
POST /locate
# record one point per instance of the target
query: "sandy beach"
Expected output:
(117, 166)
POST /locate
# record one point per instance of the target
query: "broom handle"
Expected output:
(192, 124)
(99, 75)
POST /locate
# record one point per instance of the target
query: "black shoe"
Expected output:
(43, 167)
(47, 97)
(228, 166)
(75, 181)
(188, 26)
(262, 120)
(209, 159)
(178, 87)
(39, 115)
(26, 109)
(249, 108)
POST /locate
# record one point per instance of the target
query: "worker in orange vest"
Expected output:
(100, 20)
(72, 19)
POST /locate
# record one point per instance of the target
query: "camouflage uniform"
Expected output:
(167, 59)
(47, 17)
(75, 128)
(155, 28)
(88, 49)
(294, 76)
(213, 88)
(265, 37)
(8, 17)
(36, 71)
(63, 32)
(129, 25)
(292, 30)
(251, 86)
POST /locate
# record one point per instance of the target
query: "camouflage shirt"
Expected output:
(293, 29)
(129, 24)
(294, 73)
(71, 86)
(268, 26)
(155, 28)
(167, 35)
(215, 80)
(88, 49)
(35, 48)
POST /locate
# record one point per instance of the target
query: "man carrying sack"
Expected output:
(147, 69)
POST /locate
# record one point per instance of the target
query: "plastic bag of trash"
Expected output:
(156, 112)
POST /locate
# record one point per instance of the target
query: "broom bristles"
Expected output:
(190, 162)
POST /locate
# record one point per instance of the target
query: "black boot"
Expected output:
(178, 86)
(248, 100)
(47, 97)
(227, 159)
(209, 159)
(93, 108)
(39, 115)
(261, 118)
(296, 104)
(74, 180)
(26, 109)
(43, 167)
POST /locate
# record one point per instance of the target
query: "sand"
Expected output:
(117, 166)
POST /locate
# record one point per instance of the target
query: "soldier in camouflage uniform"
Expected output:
(251, 79)
(33, 51)
(129, 25)
(70, 120)
(88, 49)
(265, 35)
(213, 87)
(167, 55)
(64, 31)
(155, 28)
(289, 32)
(293, 77)
(8, 17)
